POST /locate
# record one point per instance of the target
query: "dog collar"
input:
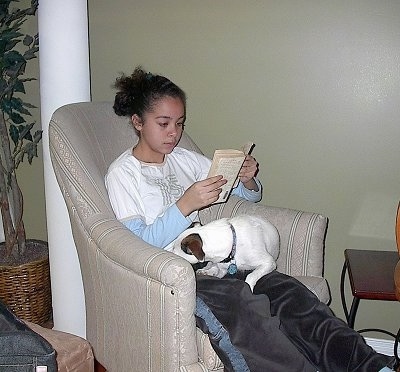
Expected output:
(232, 267)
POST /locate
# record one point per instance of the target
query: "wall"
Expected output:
(314, 83)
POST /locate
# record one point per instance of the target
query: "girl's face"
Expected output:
(160, 129)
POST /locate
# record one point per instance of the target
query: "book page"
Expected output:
(227, 163)
(228, 167)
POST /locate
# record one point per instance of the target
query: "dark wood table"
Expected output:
(371, 276)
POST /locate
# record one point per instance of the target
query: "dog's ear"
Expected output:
(193, 244)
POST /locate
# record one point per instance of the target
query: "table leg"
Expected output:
(350, 316)
(342, 294)
(396, 349)
(353, 312)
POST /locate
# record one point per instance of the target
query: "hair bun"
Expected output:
(123, 103)
(137, 92)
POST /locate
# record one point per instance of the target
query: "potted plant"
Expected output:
(19, 258)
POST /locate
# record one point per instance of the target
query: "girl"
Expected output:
(156, 190)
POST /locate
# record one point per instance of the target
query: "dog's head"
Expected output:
(192, 244)
(210, 242)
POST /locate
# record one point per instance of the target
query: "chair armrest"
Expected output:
(302, 234)
(140, 300)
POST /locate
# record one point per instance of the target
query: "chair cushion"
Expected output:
(74, 354)
(317, 285)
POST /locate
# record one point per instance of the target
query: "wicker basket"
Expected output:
(26, 289)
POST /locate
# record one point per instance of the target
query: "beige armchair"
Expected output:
(140, 300)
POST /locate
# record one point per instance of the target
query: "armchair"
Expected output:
(140, 300)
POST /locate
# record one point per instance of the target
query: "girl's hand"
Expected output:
(201, 194)
(248, 172)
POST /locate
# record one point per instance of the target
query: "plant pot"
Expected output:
(25, 288)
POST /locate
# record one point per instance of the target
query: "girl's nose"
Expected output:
(173, 131)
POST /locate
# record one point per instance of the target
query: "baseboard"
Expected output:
(381, 346)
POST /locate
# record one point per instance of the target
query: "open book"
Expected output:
(227, 163)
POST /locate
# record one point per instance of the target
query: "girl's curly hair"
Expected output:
(138, 92)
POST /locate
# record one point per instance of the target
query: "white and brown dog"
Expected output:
(231, 244)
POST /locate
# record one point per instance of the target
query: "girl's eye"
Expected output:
(164, 125)
(181, 125)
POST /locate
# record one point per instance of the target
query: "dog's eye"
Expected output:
(186, 249)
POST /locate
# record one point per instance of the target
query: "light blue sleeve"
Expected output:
(163, 230)
(250, 195)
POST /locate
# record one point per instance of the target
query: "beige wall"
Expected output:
(315, 84)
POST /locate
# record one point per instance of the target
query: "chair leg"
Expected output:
(98, 367)
(396, 351)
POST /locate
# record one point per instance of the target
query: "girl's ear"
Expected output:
(137, 122)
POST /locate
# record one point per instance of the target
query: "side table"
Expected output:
(371, 275)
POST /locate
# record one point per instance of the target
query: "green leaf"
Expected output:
(16, 104)
(25, 132)
(37, 136)
(12, 58)
(29, 105)
(31, 53)
(28, 40)
(23, 110)
(16, 118)
(14, 64)
(19, 86)
(6, 106)
(11, 33)
(10, 45)
(3, 45)
(14, 134)
(3, 86)
(31, 150)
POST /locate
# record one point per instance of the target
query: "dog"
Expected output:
(229, 244)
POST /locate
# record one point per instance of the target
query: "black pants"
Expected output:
(284, 327)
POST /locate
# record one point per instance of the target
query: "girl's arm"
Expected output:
(249, 187)
(163, 230)
(251, 195)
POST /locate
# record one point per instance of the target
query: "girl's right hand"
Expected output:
(201, 194)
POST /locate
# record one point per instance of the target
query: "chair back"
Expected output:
(92, 136)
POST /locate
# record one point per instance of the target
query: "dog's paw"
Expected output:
(251, 284)
(259, 272)
(211, 270)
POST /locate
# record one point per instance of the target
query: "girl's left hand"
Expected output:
(249, 169)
